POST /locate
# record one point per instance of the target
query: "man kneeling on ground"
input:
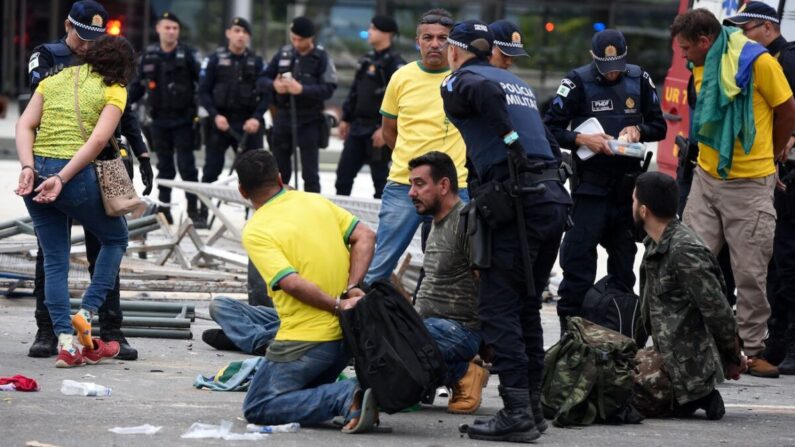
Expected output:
(309, 251)
(448, 296)
(684, 307)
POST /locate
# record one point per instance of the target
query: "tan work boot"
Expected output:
(759, 367)
(467, 393)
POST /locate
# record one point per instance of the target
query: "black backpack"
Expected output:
(394, 354)
(610, 304)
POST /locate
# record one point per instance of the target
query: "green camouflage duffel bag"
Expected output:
(588, 376)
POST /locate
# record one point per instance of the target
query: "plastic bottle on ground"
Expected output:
(292, 427)
(72, 388)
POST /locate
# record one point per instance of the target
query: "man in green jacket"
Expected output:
(683, 302)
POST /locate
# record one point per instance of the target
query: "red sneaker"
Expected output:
(69, 358)
(102, 350)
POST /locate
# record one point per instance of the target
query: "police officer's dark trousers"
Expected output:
(511, 322)
(604, 220)
(218, 142)
(168, 141)
(308, 144)
(357, 151)
(781, 275)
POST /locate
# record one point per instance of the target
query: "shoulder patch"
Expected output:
(568, 83)
(448, 82)
(205, 62)
(34, 62)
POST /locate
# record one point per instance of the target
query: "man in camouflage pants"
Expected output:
(684, 308)
(448, 295)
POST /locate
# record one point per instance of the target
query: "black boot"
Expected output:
(787, 366)
(537, 411)
(512, 424)
(200, 220)
(712, 404)
(110, 330)
(46, 343)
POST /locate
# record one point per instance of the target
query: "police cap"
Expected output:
(609, 51)
(89, 19)
(507, 38)
(241, 22)
(385, 23)
(302, 26)
(753, 11)
(168, 15)
(473, 36)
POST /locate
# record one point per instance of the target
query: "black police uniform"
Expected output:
(485, 103)
(361, 110)
(48, 59)
(227, 86)
(603, 184)
(316, 73)
(781, 274)
(170, 80)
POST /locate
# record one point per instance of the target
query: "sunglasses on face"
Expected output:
(745, 29)
(432, 19)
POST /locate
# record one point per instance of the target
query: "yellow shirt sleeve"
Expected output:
(389, 105)
(345, 221)
(770, 81)
(268, 257)
(116, 95)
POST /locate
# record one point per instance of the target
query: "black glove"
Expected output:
(147, 175)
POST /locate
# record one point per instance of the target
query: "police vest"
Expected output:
(615, 106)
(371, 81)
(484, 147)
(62, 57)
(308, 70)
(235, 82)
(169, 81)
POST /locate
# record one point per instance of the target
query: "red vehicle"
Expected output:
(674, 96)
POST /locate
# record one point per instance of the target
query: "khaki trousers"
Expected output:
(739, 213)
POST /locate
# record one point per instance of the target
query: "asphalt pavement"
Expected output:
(157, 389)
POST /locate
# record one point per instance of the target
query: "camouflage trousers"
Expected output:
(652, 393)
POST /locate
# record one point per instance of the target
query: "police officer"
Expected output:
(497, 113)
(300, 77)
(85, 23)
(360, 127)
(169, 75)
(622, 97)
(227, 89)
(761, 23)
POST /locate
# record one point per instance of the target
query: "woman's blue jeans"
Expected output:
(79, 200)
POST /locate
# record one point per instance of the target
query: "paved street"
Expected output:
(157, 390)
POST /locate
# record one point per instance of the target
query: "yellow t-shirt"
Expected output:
(414, 100)
(770, 90)
(304, 233)
(59, 133)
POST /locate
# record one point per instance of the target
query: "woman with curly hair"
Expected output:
(59, 183)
